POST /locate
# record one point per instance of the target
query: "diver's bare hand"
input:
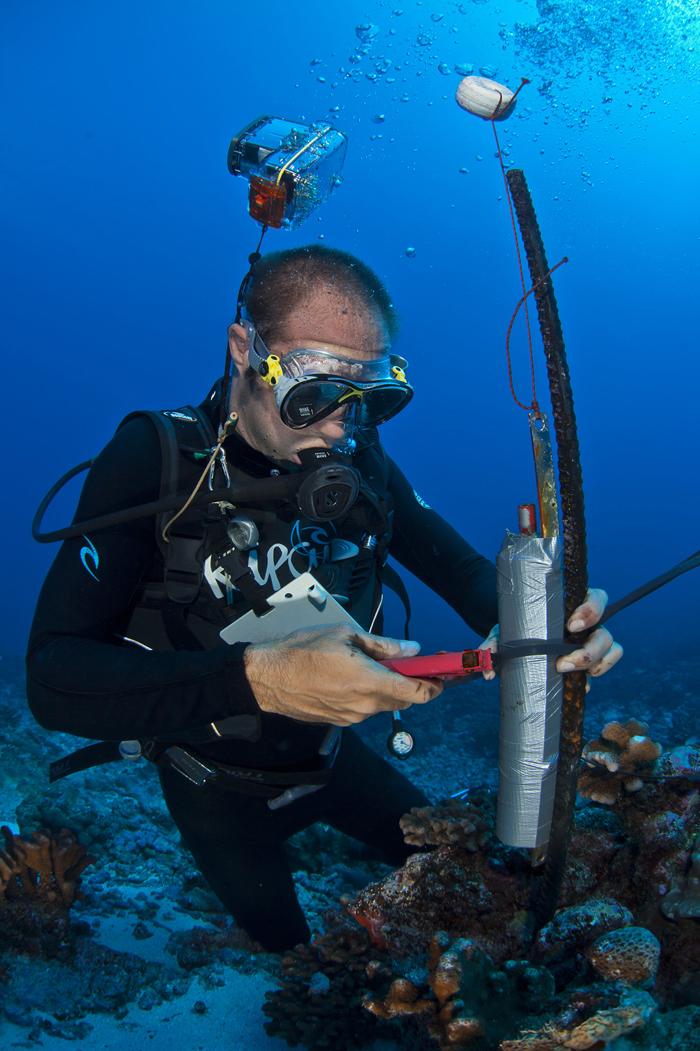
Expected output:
(331, 675)
(491, 643)
(600, 652)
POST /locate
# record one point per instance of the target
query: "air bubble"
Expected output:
(366, 31)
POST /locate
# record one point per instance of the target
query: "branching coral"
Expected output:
(323, 985)
(453, 823)
(616, 760)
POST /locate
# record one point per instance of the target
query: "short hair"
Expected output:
(282, 280)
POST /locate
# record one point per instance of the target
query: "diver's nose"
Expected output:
(340, 422)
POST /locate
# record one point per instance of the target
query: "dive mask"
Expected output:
(310, 384)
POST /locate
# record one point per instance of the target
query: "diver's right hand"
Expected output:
(331, 675)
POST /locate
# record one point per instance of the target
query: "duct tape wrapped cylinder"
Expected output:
(530, 606)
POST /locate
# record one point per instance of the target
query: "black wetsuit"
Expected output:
(81, 679)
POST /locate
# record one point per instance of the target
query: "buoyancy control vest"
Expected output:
(199, 582)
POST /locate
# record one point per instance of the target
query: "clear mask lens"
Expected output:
(311, 401)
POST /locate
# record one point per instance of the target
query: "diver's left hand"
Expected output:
(600, 652)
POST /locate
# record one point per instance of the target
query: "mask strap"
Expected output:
(253, 259)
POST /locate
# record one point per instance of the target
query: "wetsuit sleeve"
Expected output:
(433, 551)
(81, 678)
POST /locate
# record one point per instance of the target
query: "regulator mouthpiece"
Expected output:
(331, 486)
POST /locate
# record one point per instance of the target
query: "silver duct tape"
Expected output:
(530, 605)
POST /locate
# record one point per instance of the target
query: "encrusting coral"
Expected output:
(683, 902)
(572, 929)
(615, 760)
(634, 1010)
(630, 954)
(682, 761)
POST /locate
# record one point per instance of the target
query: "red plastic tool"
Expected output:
(443, 665)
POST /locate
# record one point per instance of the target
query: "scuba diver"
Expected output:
(253, 741)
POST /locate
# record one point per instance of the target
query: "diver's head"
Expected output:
(300, 301)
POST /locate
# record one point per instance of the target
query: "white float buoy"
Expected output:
(485, 98)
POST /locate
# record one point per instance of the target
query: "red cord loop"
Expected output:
(534, 407)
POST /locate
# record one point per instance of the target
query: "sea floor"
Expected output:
(143, 980)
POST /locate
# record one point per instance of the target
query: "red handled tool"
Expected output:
(442, 665)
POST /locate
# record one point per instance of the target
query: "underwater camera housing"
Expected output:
(291, 167)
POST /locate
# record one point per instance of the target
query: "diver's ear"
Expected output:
(238, 347)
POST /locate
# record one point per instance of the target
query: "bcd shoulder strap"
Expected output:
(186, 431)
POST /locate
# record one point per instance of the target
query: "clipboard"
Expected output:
(304, 603)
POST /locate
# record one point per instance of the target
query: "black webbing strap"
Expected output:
(84, 758)
(692, 562)
(252, 592)
(196, 769)
(185, 429)
(393, 581)
(508, 651)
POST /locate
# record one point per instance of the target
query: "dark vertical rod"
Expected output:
(574, 529)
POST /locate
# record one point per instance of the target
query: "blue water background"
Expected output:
(124, 240)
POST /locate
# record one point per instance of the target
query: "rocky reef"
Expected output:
(444, 952)
(109, 928)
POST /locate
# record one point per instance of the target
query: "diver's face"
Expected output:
(325, 320)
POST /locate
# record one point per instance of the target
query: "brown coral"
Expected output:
(597, 1031)
(615, 761)
(323, 988)
(43, 870)
(451, 1023)
(454, 823)
(630, 954)
(402, 999)
(454, 1025)
(603, 1028)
